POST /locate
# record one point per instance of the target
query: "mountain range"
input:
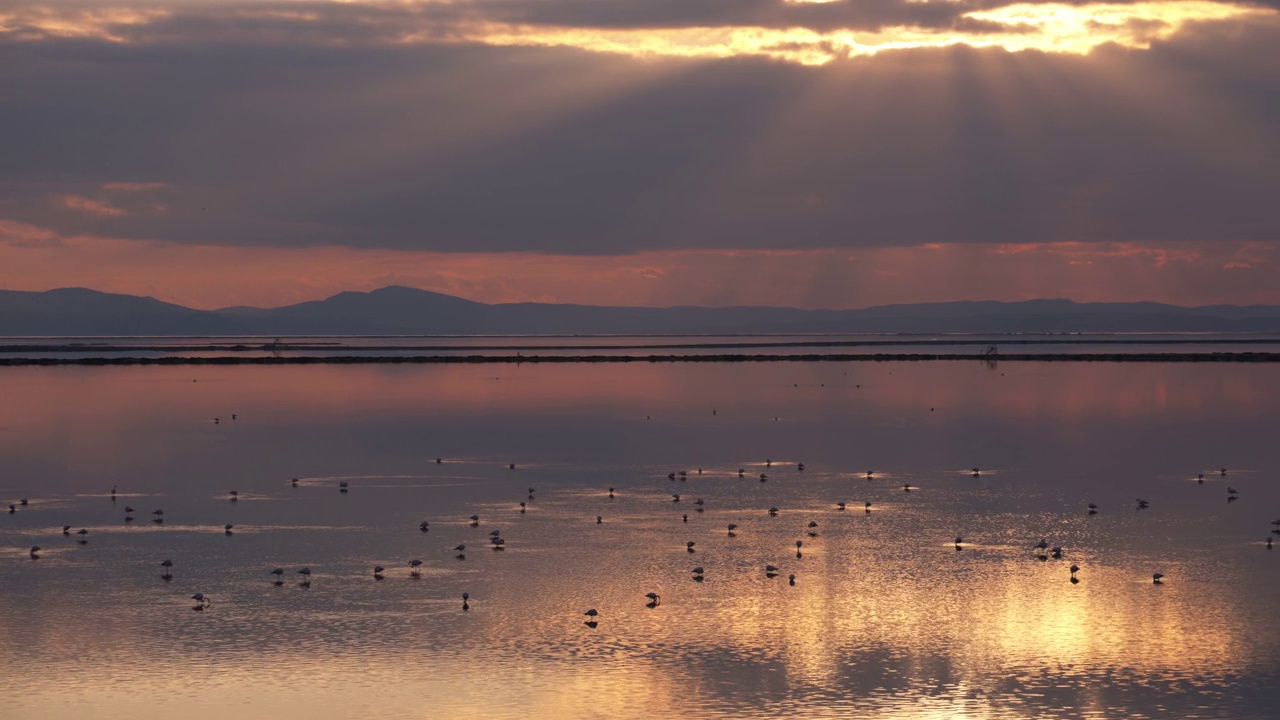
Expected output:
(408, 311)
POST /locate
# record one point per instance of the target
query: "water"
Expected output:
(614, 345)
(886, 619)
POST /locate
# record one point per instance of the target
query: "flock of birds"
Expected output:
(1042, 549)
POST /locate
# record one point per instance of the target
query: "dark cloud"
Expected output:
(264, 131)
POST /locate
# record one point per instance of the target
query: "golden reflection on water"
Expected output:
(886, 618)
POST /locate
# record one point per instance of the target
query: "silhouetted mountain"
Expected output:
(406, 311)
(77, 311)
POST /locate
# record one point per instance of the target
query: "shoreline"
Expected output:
(1246, 357)
(11, 349)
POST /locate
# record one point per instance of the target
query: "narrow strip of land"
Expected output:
(1172, 357)
(240, 347)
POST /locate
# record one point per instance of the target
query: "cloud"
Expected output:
(802, 32)
(23, 235)
(627, 128)
(209, 276)
(133, 186)
(89, 205)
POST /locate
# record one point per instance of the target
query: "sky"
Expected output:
(834, 154)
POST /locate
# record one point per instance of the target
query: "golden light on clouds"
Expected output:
(1048, 27)
(1044, 27)
(103, 23)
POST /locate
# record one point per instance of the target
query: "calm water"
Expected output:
(886, 619)
(510, 346)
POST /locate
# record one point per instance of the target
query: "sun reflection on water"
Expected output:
(885, 617)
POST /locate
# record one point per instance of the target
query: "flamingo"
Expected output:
(168, 566)
(202, 602)
(773, 512)
(294, 482)
(1157, 578)
(343, 486)
(465, 598)
(523, 507)
(66, 529)
(958, 541)
(377, 572)
(1093, 509)
(235, 496)
(599, 519)
(976, 472)
(413, 567)
(35, 552)
(306, 577)
(82, 532)
(461, 551)
(279, 573)
(226, 529)
(475, 521)
(1074, 569)
(732, 527)
(689, 546)
(675, 497)
(610, 492)
(424, 526)
(867, 506)
(791, 580)
(654, 599)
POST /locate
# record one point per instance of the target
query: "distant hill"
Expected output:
(77, 311)
(407, 311)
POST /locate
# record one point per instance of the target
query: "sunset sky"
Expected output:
(829, 154)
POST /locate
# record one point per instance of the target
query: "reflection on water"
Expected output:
(885, 619)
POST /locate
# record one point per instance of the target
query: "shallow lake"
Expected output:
(886, 617)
